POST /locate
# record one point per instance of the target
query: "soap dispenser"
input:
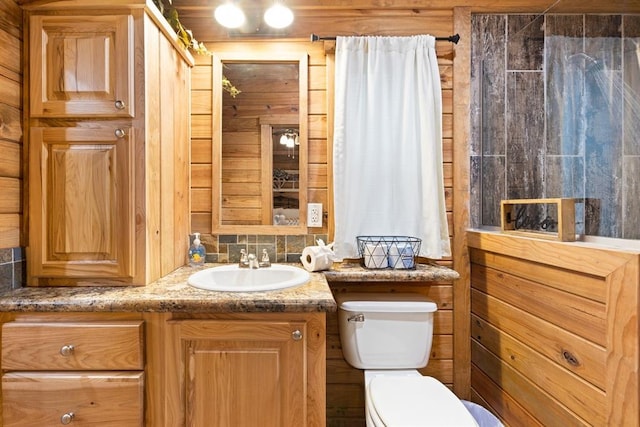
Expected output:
(197, 251)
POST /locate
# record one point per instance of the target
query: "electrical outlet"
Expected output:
(314, 215)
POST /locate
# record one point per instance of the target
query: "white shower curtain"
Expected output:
(387, 148)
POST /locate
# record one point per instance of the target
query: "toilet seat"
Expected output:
(415, 401)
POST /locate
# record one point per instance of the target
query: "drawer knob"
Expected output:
(120, 105)
(67, 418)
(120, 133)
(67, 350)
(296, 335)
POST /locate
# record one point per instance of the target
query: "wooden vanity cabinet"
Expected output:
(85, 372)
(108, 137)
(261, 369)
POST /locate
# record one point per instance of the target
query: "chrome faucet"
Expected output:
(244, 260)
(251, 261)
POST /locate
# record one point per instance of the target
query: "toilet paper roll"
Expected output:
(375, 255)
(401, 256)
(316, 258)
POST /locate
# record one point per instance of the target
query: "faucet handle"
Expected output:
(244, 260)
(265, 261)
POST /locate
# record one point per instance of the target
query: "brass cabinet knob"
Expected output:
(296, 335)
(67, 350)
(120, 105)
(67, 418)
(120, 133)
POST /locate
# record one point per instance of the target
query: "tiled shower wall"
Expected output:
(12, 269)
(556, 113)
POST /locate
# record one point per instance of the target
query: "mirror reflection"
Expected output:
(262, 146)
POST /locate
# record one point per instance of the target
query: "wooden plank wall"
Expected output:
(554, 334)
(10, 124)
(345, 396)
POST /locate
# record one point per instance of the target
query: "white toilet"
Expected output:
(389, 336)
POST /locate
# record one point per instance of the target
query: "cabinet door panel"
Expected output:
(97, 398)
(81, 66)
(243, 373)
(84, 188)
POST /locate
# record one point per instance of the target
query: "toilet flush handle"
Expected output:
(356, 318)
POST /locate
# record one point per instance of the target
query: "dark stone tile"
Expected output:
(6, 255)
(227, 238)
(267, 238)
(6, 276)
(475, 188)
(631, 25)
(603, 156)
(602, 42)
(564, 25)
(525, 45)
(493, 189)
(564, 177)
(565, 80)
(631, 198)
(525, 136)
(487, 84)
(234, 252)
(19, 274)
(631, 95)
(295, 244)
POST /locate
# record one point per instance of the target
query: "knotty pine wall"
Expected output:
(449, 359)
(554, 330)
(11, 259)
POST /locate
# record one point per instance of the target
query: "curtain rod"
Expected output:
(453, 39)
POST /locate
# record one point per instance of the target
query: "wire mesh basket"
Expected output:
(388, 251)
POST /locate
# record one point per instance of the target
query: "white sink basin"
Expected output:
(231, 278)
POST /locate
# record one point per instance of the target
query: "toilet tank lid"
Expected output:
(386, 302)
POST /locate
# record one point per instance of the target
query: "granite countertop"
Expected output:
(172, 293)
(353, 271)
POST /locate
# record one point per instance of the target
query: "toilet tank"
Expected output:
(385, 330)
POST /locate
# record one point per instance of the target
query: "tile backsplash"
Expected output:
(225, 248)
(12, 269)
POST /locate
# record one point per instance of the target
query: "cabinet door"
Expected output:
(81, 66)
(81, 198)
(243, 373)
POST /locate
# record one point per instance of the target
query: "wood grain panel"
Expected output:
(10, 230)
(10, 160)
(507, 332)
(581, 316)
(574, 282)
(11, 201)
(567, 389)
(578, 355)
(547, 411)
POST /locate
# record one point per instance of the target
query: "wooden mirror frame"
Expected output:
(218, 59)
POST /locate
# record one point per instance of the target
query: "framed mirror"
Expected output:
(259, 150)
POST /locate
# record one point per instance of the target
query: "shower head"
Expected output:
(583, 59)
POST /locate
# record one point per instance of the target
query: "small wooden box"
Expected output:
(514, 220)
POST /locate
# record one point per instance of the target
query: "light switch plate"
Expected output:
(314, 215)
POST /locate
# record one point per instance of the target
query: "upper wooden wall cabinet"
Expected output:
(108, 137)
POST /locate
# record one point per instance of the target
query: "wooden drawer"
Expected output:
(96, 398)
(114, 345)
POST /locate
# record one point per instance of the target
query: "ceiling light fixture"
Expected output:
(229, 15)
(278, 16)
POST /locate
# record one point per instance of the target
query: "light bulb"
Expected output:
(283, 139)
(229, 15)
(290, 142)
(278, 16)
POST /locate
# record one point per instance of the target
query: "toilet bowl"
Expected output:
(390, 336)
